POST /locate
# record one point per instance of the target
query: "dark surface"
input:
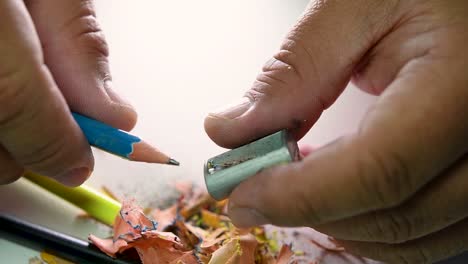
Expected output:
(461, 259)
(59, 244)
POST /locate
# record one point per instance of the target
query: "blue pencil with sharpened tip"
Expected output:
(120, 143)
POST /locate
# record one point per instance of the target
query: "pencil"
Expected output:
(119, 142)
(94, 203)
(62, 245)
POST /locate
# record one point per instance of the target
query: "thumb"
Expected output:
(76, 53)
(305, 77)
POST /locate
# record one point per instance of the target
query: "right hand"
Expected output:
(397, 188)
(53, 58)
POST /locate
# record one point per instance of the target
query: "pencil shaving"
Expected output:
(196, 229)
(133, 229)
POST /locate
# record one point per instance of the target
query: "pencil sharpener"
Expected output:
(224, 172)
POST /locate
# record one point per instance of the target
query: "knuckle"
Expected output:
(287, 76)
(296, 54)
(410, 255)
(14, 95)
(393, 228)
(10, 175)
(271, 198)
(306, 65)
(18, 109)
(94, 43)
(86, 32)
(279, 76)
(310, 215)
(45, 156)
(305, 205)
(307, 211)
(385, 176)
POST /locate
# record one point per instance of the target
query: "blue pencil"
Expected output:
(119, 142)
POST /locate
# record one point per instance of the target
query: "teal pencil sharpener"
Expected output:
(224, 172)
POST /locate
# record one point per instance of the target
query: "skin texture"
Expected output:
(396, 189)
(54, 58)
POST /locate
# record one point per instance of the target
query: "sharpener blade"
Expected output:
(224, 172)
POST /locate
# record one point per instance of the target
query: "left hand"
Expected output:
(54, 59)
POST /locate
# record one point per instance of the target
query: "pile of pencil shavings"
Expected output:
(196, 229)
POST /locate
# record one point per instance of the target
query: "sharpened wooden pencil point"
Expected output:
(173, 162)
(142, 151)
(119, 142)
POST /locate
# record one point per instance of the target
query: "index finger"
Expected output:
(36, 127)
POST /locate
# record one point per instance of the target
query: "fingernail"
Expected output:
(74, 177)
(234, 110)
(247, 217)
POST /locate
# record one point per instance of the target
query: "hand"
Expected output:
(395, 190)
(53, 56)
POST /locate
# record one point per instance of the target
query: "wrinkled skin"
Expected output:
(396, 189)
(53, 58)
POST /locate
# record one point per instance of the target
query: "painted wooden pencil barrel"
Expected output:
(224, 172)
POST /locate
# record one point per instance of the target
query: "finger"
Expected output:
(396, 151)
(440, 204)
(443, 244)
(308, 73)
(77, 54)
(36, 127)
(378, 68)
(10, 171)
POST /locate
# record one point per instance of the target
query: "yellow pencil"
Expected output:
(95, 203)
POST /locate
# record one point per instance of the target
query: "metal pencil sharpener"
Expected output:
(224, 172)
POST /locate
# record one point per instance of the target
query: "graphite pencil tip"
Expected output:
(174, 162)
